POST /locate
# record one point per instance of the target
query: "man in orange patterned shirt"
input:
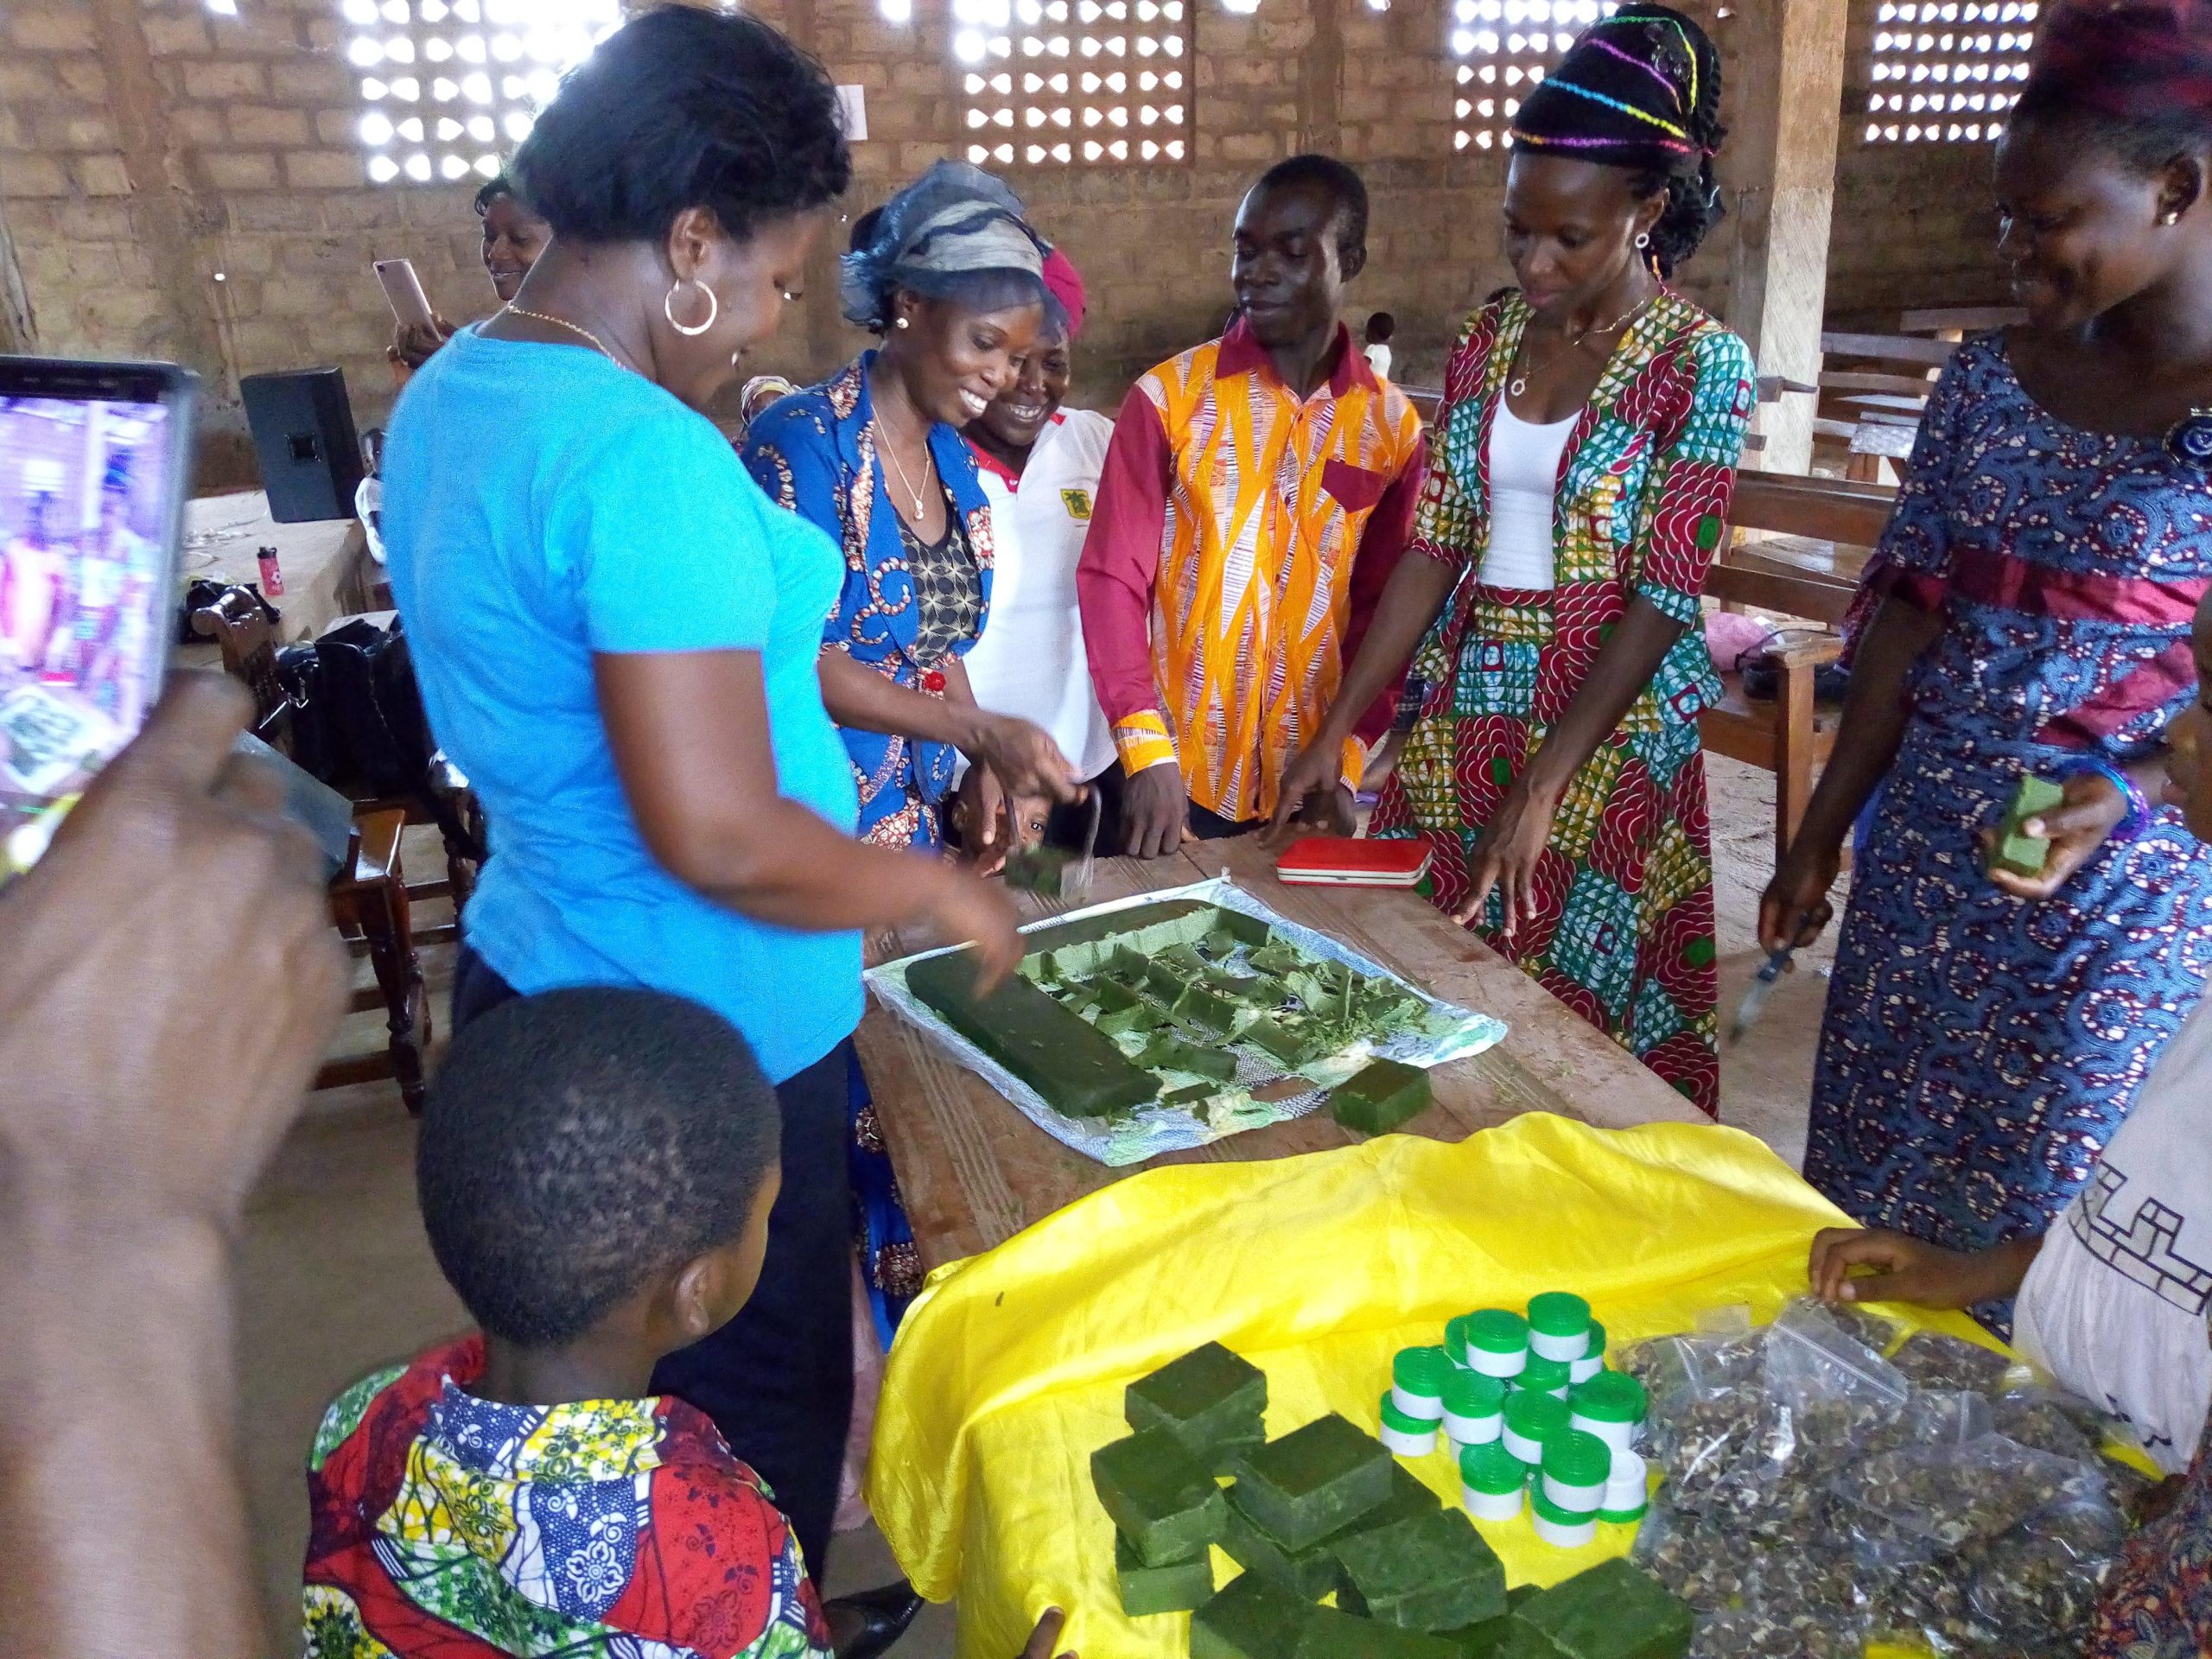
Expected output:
(1258, 492)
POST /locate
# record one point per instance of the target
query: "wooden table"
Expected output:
(975, 1172)
(325, 563)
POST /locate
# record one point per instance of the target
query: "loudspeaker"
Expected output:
(303, 435)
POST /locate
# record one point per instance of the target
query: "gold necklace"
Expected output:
(1518, 386)
(598, 345)
(890, 455)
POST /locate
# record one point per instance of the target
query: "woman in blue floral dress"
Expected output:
(2029, 612)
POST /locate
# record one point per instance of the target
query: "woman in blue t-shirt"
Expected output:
(616, 635)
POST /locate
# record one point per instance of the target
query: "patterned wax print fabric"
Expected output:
(947, 589)
(816, 453)
(1241, 538)
(2157, 1602)
(445, 1526)
(1977, 1051)
(1623, 933)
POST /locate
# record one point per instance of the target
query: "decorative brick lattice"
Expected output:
(1062, 83)
(1946, 71)
(1503, 48)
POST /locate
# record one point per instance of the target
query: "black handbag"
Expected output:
(367, 681)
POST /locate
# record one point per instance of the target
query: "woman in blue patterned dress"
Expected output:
(2029, 612)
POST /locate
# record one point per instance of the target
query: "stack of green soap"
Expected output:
(1433, 1572)
(1331, 1635)
(1171, 1587)
(1209, 1400)
(1613, 1611)
(1313, 1481)
(1254, 1619)
(1380, 1098)
(2020, 853)
(1316, 1570)
(1160, 1496)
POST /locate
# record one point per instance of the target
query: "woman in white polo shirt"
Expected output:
(1039, 464)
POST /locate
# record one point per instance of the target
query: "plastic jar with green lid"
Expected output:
(1627, 1489)
(1498, 1342)
(1541, 1375)
(1530, 1420)
(1559, 1325)
(1575, 1469)
(1491, 1480)
(1611, 1405)
(1407, 1435)
(1474, 1408)
(1582, 1370)
(1417, 1382)
(1561, 1529)
(1455, 1341)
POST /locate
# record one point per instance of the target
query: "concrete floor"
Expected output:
(336, 1278)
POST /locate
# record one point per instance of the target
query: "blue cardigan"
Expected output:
(815, 453)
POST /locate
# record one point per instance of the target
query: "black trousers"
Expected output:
(778, 1379)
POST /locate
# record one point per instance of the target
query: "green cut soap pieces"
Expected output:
(1123, 1009)
(1316, 1570)
(2018, 853)
(1254, 1619)
(1171, 1587)
(1329, 1634)
(1433, 1572)
(1209, 1400)
(1165, 1053)
(1387, 1093)
(1613, 1611)
(1314, 1481)
(1207, 1012)
(1160, 1496)
(1073, 1066)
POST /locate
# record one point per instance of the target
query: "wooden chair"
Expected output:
(369, 899)
(1787, 574)
(1873, 392)
(1955, 323)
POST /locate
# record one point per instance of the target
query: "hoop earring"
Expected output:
(900, 323)
(668, 307)
(1642, 240)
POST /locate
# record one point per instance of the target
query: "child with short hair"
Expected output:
(1375, 344)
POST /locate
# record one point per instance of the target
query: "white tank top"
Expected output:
(1524, 482)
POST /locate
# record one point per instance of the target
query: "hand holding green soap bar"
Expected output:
(1613, 1611)
(1254, 1619)
(1209, 1400)
(2016, 852)
(1430, 1574)
(1163, 1500)
(1314, 1481)
(1388, 1094)
(1171, 1587)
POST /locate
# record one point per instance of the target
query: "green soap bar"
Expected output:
(1613, 1611)
(1208, 1399)
(1314, 1481)
(1206, 1012)
(1254, 1619)
(1172, 1587)
(1163, 1500)
(1221, 945)
(1433, 1572)
(1278, 958)
(1116, 924)
(1330, 1634)
(1074, 1067)
(2023, 854)
(1245, 929)
(1037, 869)
(1121, 1009)
(1191, 1094)
(1289, 1044)
(1249, 988)
(1316, 1570)
(1386, 1095)
(1483, 1640)
(1163, 1052)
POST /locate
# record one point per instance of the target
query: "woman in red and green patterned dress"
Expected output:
(1582, 468)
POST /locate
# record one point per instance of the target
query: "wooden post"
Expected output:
(1784, 62)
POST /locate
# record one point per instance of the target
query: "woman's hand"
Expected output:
(1027, 760)
(1319, 765)
(1045, 1636)
(1794, 906)
(979, 821)
(1907, 1269)
(412, 345)
(1505, 858)
(2077, 829)
(965, 910)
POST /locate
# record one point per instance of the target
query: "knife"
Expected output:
(1076, 883)
(1763, 986)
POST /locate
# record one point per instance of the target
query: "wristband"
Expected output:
(2138, 818)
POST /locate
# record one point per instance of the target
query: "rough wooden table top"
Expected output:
(974, 1171)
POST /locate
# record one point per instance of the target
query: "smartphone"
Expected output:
(403, 288)
(94, 464)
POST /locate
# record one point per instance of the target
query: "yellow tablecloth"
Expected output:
(1009, 1369)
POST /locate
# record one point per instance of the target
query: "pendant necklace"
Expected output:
(1518, 386)
(890, 455)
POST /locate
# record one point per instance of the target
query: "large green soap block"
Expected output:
(1254, 1619)
(1316, 1570)
(1613, 1611)
(2023, 854)
(1387, 1093)
(1173, 1587)
(1159, 1496)
(1332, 1634)
(1433, 1572)
(1314, 1481)
(1075, 1068)
(1209, 1400)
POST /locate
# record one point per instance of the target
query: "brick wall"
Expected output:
(179, 185)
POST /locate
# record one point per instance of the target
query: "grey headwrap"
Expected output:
(954, 228)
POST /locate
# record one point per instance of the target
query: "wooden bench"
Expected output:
(1955, 322)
